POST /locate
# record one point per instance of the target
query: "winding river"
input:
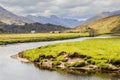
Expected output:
(12, 69)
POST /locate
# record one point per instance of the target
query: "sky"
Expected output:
(79, 9)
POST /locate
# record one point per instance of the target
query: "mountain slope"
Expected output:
(104, 25)
(102, 15)
(55, 20)
(10, 18)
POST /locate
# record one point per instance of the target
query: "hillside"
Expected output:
(104, 25)
(102, 15)
(27, 28)
(10, 18)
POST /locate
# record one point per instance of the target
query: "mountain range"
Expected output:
(53, 19)
(11, 18)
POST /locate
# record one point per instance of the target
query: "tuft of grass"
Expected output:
(61, 58)
(104, 66)
(79, 64)
(55, 63)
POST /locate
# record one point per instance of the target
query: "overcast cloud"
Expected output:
(63, 8)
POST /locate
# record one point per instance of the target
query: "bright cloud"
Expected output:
(63, 8)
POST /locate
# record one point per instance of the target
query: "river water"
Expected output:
(12, 69)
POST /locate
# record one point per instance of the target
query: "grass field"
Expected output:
(19, 38)
(104, 53)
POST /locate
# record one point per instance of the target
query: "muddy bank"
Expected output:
(20, 59)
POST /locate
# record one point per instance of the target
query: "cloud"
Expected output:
(63, 8)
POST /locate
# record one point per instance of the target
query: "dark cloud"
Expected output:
(64, 8)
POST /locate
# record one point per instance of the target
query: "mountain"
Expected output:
(102, 15)
(55, 20)
(27, 28)
(109, 24)
(10, 18)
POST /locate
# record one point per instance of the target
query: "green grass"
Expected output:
(20, 38)
(98, 51)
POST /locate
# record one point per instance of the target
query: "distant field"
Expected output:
(103, 53)
(20, 38)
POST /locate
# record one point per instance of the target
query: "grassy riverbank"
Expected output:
(92, 54)
(20, 38)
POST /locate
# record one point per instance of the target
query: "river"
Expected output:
(12, 69)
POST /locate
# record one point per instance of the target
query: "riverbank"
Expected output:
(94, 55)
(16, 68)
(21, 38)
(70, 70)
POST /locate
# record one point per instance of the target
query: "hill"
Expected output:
(27, 28)
(109, 24)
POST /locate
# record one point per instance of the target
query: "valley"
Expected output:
(59, 40)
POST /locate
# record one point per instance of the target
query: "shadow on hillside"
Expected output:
(116, 29)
